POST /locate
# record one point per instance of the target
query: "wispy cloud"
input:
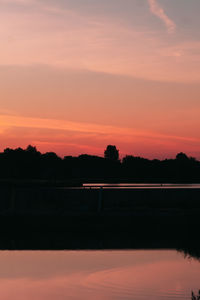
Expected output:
(158, 11)
(17, 2)
(46, 33)
(73, 138)
(13, 121)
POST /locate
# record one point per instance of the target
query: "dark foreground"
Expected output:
(190, 248)
(141, 212)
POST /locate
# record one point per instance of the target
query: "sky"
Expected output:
(77, 75)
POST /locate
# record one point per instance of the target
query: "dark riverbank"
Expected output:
(116, 241)
(139, 211)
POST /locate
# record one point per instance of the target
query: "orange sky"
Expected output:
(78, 75)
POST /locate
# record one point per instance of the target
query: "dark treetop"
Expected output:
(29, 163)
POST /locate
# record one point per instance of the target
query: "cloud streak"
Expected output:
(14, 121)
(158, 11)
(73, 138)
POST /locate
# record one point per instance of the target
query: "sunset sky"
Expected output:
(76, 75)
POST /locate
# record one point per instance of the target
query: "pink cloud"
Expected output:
(73, 138)
(158, 11)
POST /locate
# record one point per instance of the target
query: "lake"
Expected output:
(100, 274)
(140, 186)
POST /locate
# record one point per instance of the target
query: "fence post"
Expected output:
(100, 199)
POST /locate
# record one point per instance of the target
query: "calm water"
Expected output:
(141, 186)
(88, 275)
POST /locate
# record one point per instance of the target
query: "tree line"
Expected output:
(29, 163)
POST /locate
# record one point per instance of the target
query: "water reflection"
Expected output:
(142, 185)
(170, 271)
(109, 275)
(197, 297)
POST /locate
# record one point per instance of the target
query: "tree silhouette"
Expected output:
(111, 153)
(29, 163)
(182, 157)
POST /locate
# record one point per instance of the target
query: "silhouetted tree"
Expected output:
(111, 153)
(51, 165)
(29, 163)
(31, 148)
(182, 157)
